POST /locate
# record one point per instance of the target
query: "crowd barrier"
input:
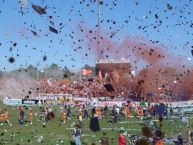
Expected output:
(180, 106)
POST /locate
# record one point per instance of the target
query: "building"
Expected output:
(110, 65)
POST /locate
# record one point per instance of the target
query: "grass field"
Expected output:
(27, 134)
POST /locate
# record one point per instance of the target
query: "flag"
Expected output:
(133, 73)
(86, 71)
(106, 75)
(49, 82)
(100, 75)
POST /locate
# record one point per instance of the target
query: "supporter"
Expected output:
(160, 118)
(179, 140)
(43, 115)
(115, 115)
(104, 139)
(158, 137)
(76, 135)
(94, 122)
(80, 119)
(149, 119)
(159, 141)
(6, 116)
(30, 115)
(50, 113)
(2, 115)
(98, 113)
(121, 138)
(140, 112)
(21, 115)
(68, 112)
(63, 116)
(85, 110)
(106, 111)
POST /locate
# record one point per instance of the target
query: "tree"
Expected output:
(54, 66)
(1, 74)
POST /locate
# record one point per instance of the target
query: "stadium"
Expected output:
(64, 80)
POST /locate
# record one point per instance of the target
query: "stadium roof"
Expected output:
(121, 60)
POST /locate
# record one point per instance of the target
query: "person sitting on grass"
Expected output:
(76, 135)
(104, 139)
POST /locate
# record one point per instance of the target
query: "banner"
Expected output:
(29, 102)
(12, 102)
(111, 103)
(55, 97)
(86, 72)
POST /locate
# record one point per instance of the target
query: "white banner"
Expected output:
(12, 102)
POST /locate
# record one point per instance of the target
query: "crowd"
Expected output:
(83, 87)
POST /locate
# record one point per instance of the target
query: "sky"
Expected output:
(166, 23)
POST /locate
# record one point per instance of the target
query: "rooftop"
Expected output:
(121, 60)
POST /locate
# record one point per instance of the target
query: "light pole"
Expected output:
(37, 74)
(174, 89)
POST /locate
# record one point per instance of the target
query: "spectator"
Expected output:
(104, 140)
(179, 140)
(85, 111)
(94, 122)
(106, 111)
(68, 112)
(121, 138)
(76, 135)
(21, 116)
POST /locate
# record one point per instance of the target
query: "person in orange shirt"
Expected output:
(30, 115)
(140, 112)
(2, 116)
(128, 112)
(1, 111)
(137, 111)
(80, 119)
(6, 117)
(99, 113)
(63, 116)
(125, 111)
(159, 142)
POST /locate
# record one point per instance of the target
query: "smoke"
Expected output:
(157, 68)
(17, 86)
(23, 3)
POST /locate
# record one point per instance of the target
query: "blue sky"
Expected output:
(166, 21)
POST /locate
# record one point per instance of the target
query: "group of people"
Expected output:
(113, 114)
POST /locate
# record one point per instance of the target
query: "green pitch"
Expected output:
(53, 134)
